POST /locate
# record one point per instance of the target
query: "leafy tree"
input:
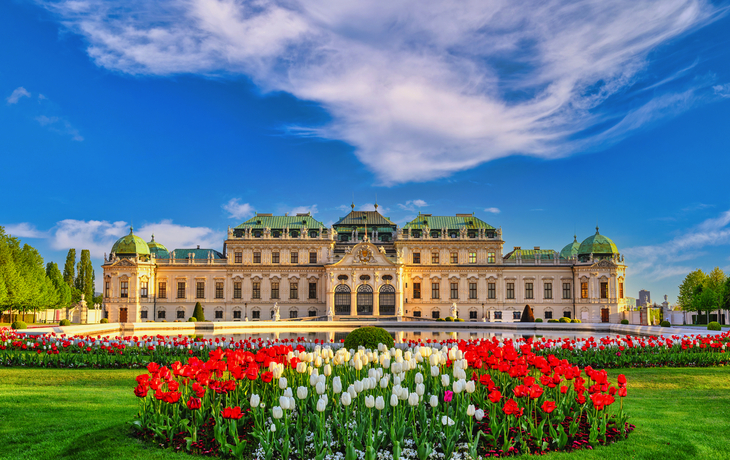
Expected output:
(16, 291)
(688, 287)
(85, 276)
(40, 291)
(63, 290)
(704, 299)
(716, 281)
(198, 312)
(69, 270)
(98, 299)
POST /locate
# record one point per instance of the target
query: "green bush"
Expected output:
(439, 319)
(18, 325)
(449, 318)
(198, 312)
(192, 319)
(564, 320)
(624, 321)
(65, 322)
(714, 326)
(538, 320)
(104, 321)
(368, 337)
(461, 320)
(666, 324)
(576, 321)
(528, 316)
(552, 321)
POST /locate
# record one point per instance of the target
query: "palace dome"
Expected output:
(157, 249)
(598, 245)
(130, 244)
(571, 250)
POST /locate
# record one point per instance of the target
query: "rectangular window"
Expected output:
(529, 293)
(256, 314)
(454, 258)
(312, 313)
(435, 291)
(293, 313)
(181, 314)
(416, 314)
(472, 290)
(566, 314)
(181, 289)
(584, 290)
(491, 258)
(294, 257)
(416, 257)
(274, 290)
(434, 258)
(492, 290)
(200, 290)
(236, 314)
(548, 291)
(312, 290)
(294, 290)
(239, 257)
(107, 289)
(236, 289)
(472, 257)
(548, 315)
(257, 257)
(256, 290)
(497, 315)
(162, 290)
(416, 290)
(219, 290)
(219, 314)
(454, 290)
(124, 289)
(435, 314)
(510, 290)
(604, 290)
(161, 314)
(144, 289)
(312, 257)
(621, 290)
(516, 315)
(566, 291)
(143, 314)
(274, 257)
(472, 314)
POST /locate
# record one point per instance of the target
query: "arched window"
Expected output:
(342, 300)
(387, 299)
(365, 300)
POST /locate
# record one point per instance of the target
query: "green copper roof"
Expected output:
(157, 249)
(130, 244)
(358, 218)
(531, 254)
(571, 250)
(597, 244)
(200, 254)
(448, 222)
(281, 222)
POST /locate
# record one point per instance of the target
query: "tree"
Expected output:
(716, 281)
(688, 287)
(63, 290)
(704, 299)
(40, 291)
(198, 312)
(527, 315)
(85, 276)
(16, 291)
(69, 271)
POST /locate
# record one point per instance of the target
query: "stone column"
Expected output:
(353, 301)
(376, 301)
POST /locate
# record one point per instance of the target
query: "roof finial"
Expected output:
(353, 205)
(153, 237)
(596, 229)
(131, 230)
(376, 201)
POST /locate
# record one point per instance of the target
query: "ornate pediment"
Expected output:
(364, 254)
(605, 263)
(123, 263)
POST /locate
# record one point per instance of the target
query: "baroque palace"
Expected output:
(364, 265)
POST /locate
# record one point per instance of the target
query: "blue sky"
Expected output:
(543, 118)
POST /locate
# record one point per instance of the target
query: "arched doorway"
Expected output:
(342, 300)
(387, 300)
(365, 300)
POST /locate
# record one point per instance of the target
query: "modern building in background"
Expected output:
(364, 265)
(644, 298)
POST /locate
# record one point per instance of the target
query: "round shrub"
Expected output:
(65, 322)
(564, 320)
(449, 318)
(538, 320)
(192, 319)
(439, 319)
(624, 321)
(461, 320)
(576, 321)
(714, 326)
(552, 321)
(104, 321)
(18, 325)
(368, 337)
(665, 324)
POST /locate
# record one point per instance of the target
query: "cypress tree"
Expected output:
(63, 290)
(85, 276)
(198, 312)
(527, 315)
(69, 272)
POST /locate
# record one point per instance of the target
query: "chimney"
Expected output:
(198, 246)
(517, 248)
(537, 248)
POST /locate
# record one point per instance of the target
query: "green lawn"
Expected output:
(83, 414)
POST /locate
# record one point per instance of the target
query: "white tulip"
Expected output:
(327, 370)
(445, 380)
(393, 400)
(314, 378)
(255, 401)
(369, 401)
(301, 367)
(420, 389)
(321, 405)
(379, 403)
(396, 379)
(351, 390)
(320, 388)
(302, 392)
(479, 414)
(336, 384)
(277, 412)
(433, 401)
(419, 378)
(358, 386)
(404, 393)
(470, 410)
(433, 360)
(458, 386)
(413, 399)
(288, 392)
(386, 363)
(384, 382)
(284, 402)
(471, 386)
(282, 383)
(346, 399)
(273, 428)
(447, 421)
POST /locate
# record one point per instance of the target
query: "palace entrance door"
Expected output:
(122, 315)
(604, 315)
(342, 300)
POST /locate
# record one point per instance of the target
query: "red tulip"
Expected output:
(193, 403)
(141, 390)
(232, 413)
(548, 406)
(266, 377)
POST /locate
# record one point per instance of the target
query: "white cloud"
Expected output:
(24, 230)
(411, 205)
(238, 210)
(59, 125)
(722, 90)
(421, 88)
(99, 236)
(17, 93)
(371, 207)
(304, 209)
(493, 210)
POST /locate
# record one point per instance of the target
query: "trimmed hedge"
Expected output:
(666, 324)
(576, 321)
(64, 322)
(368, 337)
(192, 319)
(564, 320)
(714, 326)
(18, 325)
(198, 312)
(104, 321)
(538, 320)
(552, 321)
(624, 321)
(449, 318)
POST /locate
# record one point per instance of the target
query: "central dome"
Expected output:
(130, 245)
(571, 250)
(157, 249)
(598, 245)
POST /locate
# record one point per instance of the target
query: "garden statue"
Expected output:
(454, 311)
(276, 311)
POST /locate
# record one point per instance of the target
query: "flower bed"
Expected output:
(476, 398)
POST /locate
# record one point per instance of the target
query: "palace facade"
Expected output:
(364, 265)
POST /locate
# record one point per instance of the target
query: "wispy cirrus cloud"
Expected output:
(424, 88)
(493, 210)
(16, 95)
